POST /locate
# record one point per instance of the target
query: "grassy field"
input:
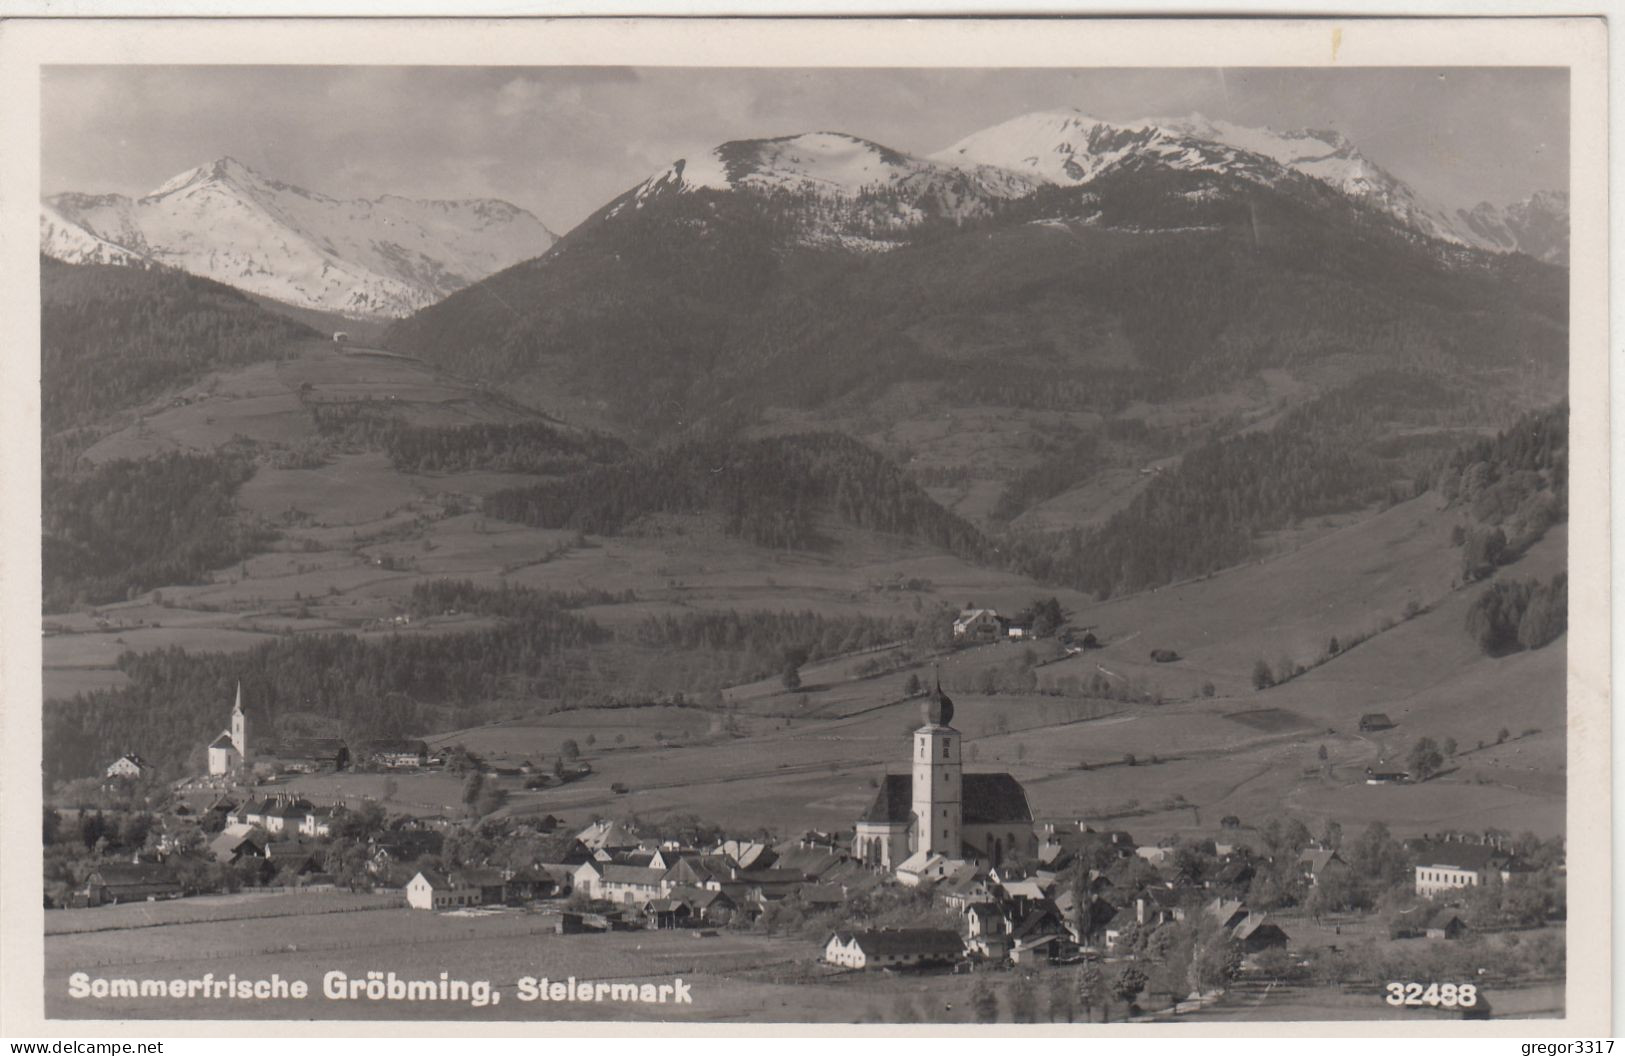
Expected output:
(734, 977)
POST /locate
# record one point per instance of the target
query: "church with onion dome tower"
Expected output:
(939, 811)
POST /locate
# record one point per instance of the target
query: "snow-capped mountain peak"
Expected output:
(1070, 147)
(225, 221)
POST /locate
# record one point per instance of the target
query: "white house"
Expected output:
(430, 890)
(901, 948)
(127, 765)
(979, 625)
(1446, 867)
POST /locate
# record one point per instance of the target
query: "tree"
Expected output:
(791, 676)
(1215, 961)
(1263, 677)
(1091, 987)
(472, 787)
(570, 749)
(1449, 747)
(1062, 999)
(1333, 647)
(1425, 758)
(1502, 734)
(1321, 753)
(913, 687)
(1022, 997)
(1127, 983)
(983, 1002)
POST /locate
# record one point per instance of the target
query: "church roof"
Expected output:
(223, 741)
(986, 799)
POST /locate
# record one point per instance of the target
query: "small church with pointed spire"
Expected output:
(938, 812)
(231, 749)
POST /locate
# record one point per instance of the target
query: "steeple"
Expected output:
(938, 708)
(239, 725)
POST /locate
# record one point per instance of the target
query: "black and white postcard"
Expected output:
(1052, 524)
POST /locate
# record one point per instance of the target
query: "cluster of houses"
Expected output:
(629, 881)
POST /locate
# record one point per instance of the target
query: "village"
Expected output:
(947, 871)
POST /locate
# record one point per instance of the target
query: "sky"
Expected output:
(562, 141)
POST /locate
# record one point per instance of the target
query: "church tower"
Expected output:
(239, 727)
(938, 779)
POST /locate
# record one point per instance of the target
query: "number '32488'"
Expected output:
(1438, 995)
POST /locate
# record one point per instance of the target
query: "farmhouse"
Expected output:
(127, 765)
(1315, 866)
(1372, 721)
(430, 890)
(130, 882)
(1446, 924)
(979, 625)
(903, 948)
(1452, 866)
(938, 810)
(1257, 933)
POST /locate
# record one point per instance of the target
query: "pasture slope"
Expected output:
(808, 759)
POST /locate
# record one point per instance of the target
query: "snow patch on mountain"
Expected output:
(65, 240)
(1069, 147)
(385, 256)
(1537, 225)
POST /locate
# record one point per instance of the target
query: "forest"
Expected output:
(541, 657)
(770, 492)
(129, 525)
(507, 447)
(1206, 513)
(115, 337)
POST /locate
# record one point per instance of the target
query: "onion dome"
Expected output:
(938, 708)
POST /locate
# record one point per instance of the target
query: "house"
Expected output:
(1237, 873)
(1316, 866)
(1451, 866)
(1257, 933)
(430, 890)
(613, 882)
(900, 948)
(923, 867)
(395, 755)
(667, 913)
(489, 885)
(1372, 721)
(1446, 924)
(291, 859)
(1386, 777)
(236, 842)
(978, 625)
(608, 835)
(1227, 912)
(317, 821)
(710, 907)
(127, 765)
(114, 882)
(965, 888)
(987, 933)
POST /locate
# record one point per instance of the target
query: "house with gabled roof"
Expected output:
(887, 948)
(1316, 865)
(113, 882)
(1450, 866)
(128, 765)
(431, 889)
